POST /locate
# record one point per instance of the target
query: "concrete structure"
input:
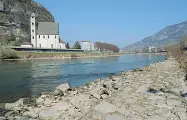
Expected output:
(26, 45)
(46, 35)
(88, 46)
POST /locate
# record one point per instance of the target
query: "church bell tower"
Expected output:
(33, 30)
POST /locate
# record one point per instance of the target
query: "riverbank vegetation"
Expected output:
(33, 55)
(106, 47)
(179, 52)
(7, 53)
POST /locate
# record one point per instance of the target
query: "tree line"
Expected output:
(106, 47)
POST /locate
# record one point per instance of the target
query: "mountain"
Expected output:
(15, 20)
(169, 35)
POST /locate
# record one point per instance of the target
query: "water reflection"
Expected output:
(30, 78)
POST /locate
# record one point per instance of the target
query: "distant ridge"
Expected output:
(169, 35)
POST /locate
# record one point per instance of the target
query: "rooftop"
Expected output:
(48, 28)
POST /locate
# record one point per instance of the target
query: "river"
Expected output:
(29, 78)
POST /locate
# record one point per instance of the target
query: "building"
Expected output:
(45, 34)
(88, 46)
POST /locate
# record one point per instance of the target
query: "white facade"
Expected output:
(48, 41)
(87, 45)
(46, 37)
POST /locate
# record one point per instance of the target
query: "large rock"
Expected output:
(182, 115)
(173, 102)
(105, 107)
(47, 101)
(40, 101)
(61, 106)
(115, 117)
(31, 114)
(49, 114)
(54, 112)
(63, 87)
(19, 103)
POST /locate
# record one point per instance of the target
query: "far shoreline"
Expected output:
(80, 56)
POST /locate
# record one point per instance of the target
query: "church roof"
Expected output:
(48, 28)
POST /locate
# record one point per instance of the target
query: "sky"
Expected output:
(120, 22)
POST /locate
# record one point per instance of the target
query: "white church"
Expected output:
(46, 35)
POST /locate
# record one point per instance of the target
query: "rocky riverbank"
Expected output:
(157, 92)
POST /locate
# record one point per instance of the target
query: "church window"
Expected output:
(39, 36)
(48, 36)
(44, 36)
(51, 45)
(32, 30)
(32, 37)
(32, 23)
(55, 36)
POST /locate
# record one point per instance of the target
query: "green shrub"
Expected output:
(7, 53)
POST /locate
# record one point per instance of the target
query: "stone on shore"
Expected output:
(105, 107)
(2, 118)
(173, 102)
(54, 112)
(63, 87)
(115, 117)
(11, 106)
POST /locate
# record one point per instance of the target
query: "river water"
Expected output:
(29, 78)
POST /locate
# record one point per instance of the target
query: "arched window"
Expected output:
(44, 36)
(32, 37)
(32, 30)
(48, 36)
(32, 23)
(55, 36)
(39, 36)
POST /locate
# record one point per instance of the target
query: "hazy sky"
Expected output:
(120, 22)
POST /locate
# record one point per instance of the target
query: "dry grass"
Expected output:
(30, 55)
(7, 53)
(178, 51)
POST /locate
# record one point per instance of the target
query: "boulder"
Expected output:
(48, 101)
(31, 114)
(19, 103)
(39, 100)
(182, 115)
(173, 102)
(115, 117)
(105, 107)
(54, 112)
(49, 114)
(61, 106)
(2, 118)
(1, 6)
(24, 118)
(58, 93)
(44, 96)
(11, 114)
(63, 87)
